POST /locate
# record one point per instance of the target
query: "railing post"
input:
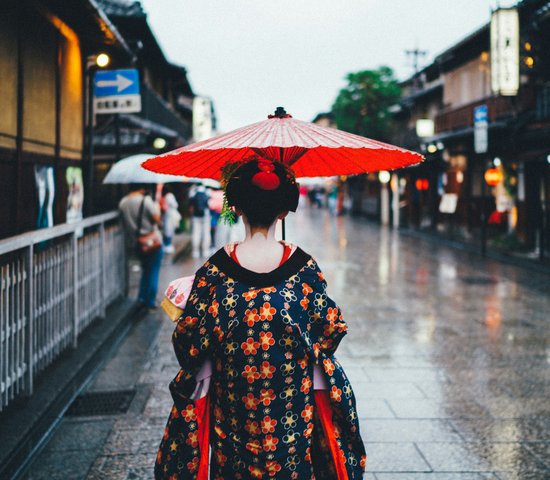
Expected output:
(125, 262)
(102, 286)
(76, 313)
(29, 307)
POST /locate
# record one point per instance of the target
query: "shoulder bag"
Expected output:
(149, 242)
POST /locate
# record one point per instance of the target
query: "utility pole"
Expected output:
(416, 54)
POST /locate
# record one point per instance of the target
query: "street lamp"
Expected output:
(432, 148)
(93, 62)
(102, 60)
(159, 143)
(492, 177)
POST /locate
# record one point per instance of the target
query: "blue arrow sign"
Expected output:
(481, 125)
(481, 114)
(109, 83)
(116, 91)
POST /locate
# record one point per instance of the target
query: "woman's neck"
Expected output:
(260, 235)
(259, 251)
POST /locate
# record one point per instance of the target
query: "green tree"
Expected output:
(362, 106)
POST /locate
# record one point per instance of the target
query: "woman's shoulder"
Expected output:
(311, 262)
(223, 268)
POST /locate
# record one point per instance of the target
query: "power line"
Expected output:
(416, 54)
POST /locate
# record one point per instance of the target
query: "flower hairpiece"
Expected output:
(227, 214)
(263, 179)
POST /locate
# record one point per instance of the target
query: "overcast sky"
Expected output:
(251, 55)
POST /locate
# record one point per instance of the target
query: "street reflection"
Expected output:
(469, 335)
(425, 329)
(493, 317)
(383, 258)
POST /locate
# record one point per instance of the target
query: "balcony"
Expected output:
(137, 131)
(499, 108)
(155, 109)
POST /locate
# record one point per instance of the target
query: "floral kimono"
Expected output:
(263, 334)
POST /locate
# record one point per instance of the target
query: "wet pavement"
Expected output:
(448, 355)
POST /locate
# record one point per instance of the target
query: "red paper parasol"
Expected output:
(311, 150)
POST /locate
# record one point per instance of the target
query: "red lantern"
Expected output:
(422, 184)
(493, 176)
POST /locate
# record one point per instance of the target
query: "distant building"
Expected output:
(204, 118)
(165, 120)
(514, 213)
(44, 48)
(48, 51)
(167, 96)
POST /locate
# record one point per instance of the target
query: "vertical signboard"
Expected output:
(505, 51)
(481, 126)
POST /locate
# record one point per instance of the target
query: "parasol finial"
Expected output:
(280, 112)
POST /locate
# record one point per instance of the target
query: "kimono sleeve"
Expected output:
(327, 326)
(193, 335)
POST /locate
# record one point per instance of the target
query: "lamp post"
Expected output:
(92, 63)
(384, 178)
(394, 184)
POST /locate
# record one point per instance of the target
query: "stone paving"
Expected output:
(447, 352)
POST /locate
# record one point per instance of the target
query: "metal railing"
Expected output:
(54, 283)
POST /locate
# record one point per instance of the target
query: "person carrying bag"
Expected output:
(148, 243)
(140, 217)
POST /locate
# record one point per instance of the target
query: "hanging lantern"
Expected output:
(422, 184)
(493, 176)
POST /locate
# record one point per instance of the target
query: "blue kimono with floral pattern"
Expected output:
(263, 332)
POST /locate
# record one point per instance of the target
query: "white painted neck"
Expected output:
(259, 251)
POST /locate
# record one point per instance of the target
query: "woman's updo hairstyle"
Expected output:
(261, 189)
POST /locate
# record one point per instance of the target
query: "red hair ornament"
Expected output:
(266, 178)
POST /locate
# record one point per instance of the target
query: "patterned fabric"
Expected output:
(176, 295)
(263, 333)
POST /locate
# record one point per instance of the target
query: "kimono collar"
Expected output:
(293, 265)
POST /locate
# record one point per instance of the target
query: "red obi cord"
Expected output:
(324, 411)
(203, 420)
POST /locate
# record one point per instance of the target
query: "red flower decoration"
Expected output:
(266, 340)
(250, 346)
(267, 370)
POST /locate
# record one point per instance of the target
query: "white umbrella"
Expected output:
(129, 170)
(314, 181)
(207, 182)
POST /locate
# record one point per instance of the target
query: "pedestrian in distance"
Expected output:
(260, 394)
(200, 223)
(141, 219)
(215, 204)
(170, 219)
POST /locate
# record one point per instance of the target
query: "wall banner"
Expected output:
(45, 187)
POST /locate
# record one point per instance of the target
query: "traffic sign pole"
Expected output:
(88, 192)
(117, 137)
(109, 92)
